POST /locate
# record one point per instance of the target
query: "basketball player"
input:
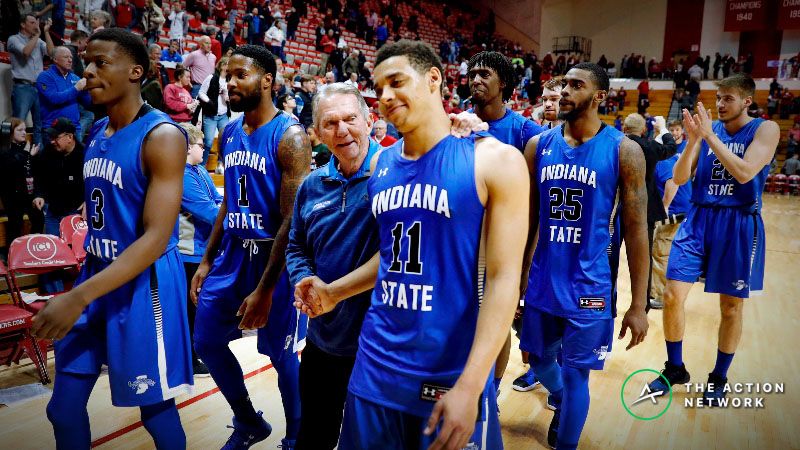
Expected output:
(551, 96)
(422, 372)
(266, 155)
(491, 83)
(729, 159)
(128, 308)
(580, 172)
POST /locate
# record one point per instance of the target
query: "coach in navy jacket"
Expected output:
(333, 232)
(60, 90)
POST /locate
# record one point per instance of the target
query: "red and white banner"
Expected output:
(789, 14)
(741, 15)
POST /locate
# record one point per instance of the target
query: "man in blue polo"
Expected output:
(333, 232)
(60, 90)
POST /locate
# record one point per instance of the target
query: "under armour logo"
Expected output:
(229, 140)
(383, 172)
(648, 394)
(547, 152)
(429, 391)
(91, 144)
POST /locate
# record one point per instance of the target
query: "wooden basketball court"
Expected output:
(767, 353)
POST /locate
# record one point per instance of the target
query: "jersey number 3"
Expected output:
(413, 264)
(98, 221)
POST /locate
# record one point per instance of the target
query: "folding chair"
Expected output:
(15, 336)
(38, 254)
(793, 187)
(77, 242)
(780, 183)
(69, 225)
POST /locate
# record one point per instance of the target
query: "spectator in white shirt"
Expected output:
(275, 36)
(215, 107)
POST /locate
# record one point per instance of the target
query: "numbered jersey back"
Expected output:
(714, 186)
(424, 308)
(570, 274)
(253, 177)
(115, 185)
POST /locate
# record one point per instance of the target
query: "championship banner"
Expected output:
(789, 14)
(746, 15)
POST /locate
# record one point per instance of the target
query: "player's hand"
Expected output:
(659, 124)
(48, 23)
(38, 203)
(312, 297)
(636, 320)
(58, 316)
(81, 84)
(463, 124)
(198, 279)
(705, 119)
(255, 310)
(518, 312)
(457, 409)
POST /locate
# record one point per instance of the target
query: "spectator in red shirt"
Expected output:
(644, 88)
(328, 45)
(380, 135)
(196, 23)
(178, 102)
(124, 13)
(216, 46)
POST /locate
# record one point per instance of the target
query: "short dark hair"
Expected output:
(281, 102)
(739, 81)
(419, 53)
(557, 82)
(502, 67)
(77, 35)
(260, 55)
(24, 18)
(599, 75)
(130, 44)
(178, 73)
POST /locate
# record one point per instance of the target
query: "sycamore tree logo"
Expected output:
(641, 401)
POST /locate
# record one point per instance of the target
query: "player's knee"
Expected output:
(731, 309)
(57, 412)
(204, 349)
(672, 299)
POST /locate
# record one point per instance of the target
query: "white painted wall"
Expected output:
(524, 15)
(616, 27)
(713, 39)
(791, 43)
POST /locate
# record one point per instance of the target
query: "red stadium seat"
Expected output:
(69, 225)
(779, 183)
(793, 187)
(15, 336)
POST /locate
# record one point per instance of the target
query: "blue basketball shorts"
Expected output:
(140, 330)
(234, 275)
(368, 425)
(725, 244)
(585, 343)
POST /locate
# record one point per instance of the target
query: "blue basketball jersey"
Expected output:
(419, 328)
(571, 274)
(253, 177)
(714, 186)
(115, 186)
(682, 201)
(514, 129)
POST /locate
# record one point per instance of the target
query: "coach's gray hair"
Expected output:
(329, 90)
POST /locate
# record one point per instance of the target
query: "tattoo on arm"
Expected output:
(294, 157)
(632, 169)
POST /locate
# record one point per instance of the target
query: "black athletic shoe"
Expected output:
(552, 432)
(200, 369)
(714, 396)
(674, 374)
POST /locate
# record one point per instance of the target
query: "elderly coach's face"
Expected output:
(342, 126)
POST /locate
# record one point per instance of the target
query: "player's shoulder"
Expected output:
(767, 126)
(490, 152)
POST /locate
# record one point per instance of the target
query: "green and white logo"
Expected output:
(642, 402)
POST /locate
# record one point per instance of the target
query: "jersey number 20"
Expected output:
(412, 264)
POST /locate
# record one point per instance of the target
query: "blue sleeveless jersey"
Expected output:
(570, 274)
(115, 186)
(253, 177)
(514, 129)
(423, 313)
(714, 186)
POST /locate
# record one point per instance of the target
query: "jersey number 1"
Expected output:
(412, 264)
(243, 192)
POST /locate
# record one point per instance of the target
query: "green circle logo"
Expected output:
(646, 394)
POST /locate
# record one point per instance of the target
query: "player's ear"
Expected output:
(136, 72)
(266, 82)
(599, 96)
(435, 80)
